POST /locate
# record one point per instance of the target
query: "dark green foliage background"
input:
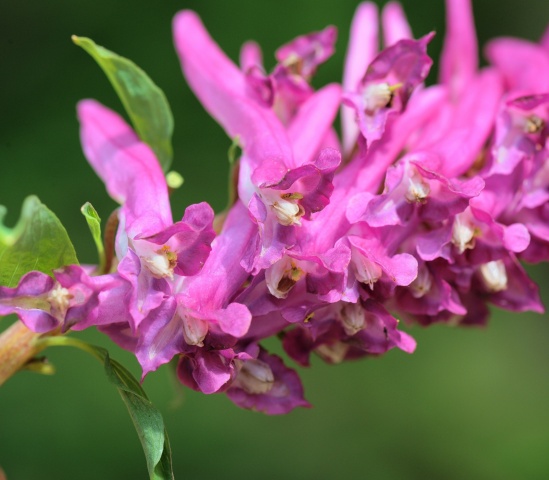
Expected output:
(470, 403)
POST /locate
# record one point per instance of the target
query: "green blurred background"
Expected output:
(470, 403)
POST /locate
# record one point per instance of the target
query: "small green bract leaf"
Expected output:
(94, 223)
(38, 242)
(145, 103)
(146, 418)
(235, 150)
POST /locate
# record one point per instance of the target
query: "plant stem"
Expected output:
(18, 345)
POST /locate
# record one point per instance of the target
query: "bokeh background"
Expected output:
(470, 403)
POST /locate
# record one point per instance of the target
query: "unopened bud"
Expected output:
(422, 284)
(194, 330)
(352, 318)
(255, 377)
(494, 275)
(333, 353)
(463, 233)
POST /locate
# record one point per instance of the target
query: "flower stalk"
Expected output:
(18, 346)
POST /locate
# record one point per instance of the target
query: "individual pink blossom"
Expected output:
(71, 300)
(150, 247)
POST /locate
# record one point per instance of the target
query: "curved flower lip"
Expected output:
(208, 371)
(514, 238)
(190, 239)
(304, 53)
(438, 196)
(400, 268)
(28, 302)
(328, 336)
(259, 85)
(312, 181)
(521, 294)
(285, 394)
(404, 64)
(430, 295)
(514, 142)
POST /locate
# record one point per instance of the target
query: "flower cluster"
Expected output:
(421, 212)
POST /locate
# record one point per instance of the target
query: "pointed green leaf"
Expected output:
(38, 242)
(94, 223)
(145, 103)
(146, 418)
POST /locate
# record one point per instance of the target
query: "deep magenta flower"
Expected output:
(71, 300)
(150, 247)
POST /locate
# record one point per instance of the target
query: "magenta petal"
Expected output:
(160, 337)
(212, 371)
(405, 64)
(363, 47)
(259, 85)
(298, 345)
(235, 319)
(395, 24)
(313, 181)
(524, 65)
(128, 167)
(401, 268)
(37, 320)
(451, 197)
(436, 243)
(190, 239)
(514, 238)
(459, 142)
(285, 394)
(381, 333)
(121, 334)
(312, 123)
(221, 88)
(30, 285)
(206, 371)
(147, 292)
(459, 60)
(309, 50)
(94, 300)
(521, 294)
(250, 56)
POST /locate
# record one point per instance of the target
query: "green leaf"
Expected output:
(94, 223)
(38, 242)
(146, 418)
(145, 103)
